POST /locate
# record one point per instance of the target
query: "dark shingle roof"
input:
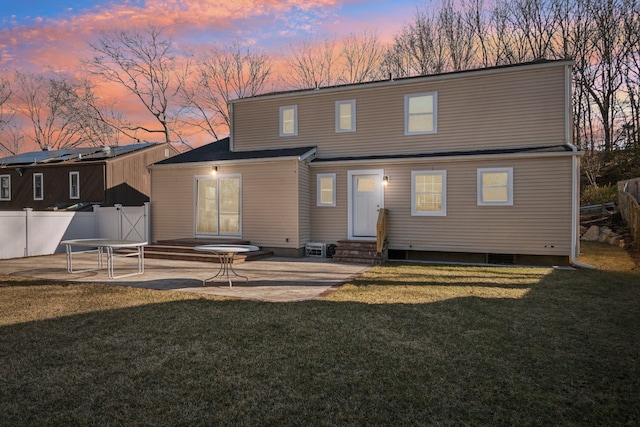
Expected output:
(545, 149)
(71, 154)
(219, 151)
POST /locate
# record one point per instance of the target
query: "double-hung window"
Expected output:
(289, 120)
(326, 183)
(429, 193)
(346, 116)
(38, 187)
(495, 187)
(420, 113)
(5, 187)
(74, 185)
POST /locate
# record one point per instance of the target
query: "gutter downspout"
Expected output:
(575, 179)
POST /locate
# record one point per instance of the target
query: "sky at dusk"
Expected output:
(45, 35)
(36, 34)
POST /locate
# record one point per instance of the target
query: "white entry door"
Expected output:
(366, 200)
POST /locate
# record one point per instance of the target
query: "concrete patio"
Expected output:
(272, 279)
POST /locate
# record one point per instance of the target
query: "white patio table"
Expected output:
(225, 255)
(102, 246)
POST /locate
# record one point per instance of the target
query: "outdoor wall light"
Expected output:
(214, 170)
(385, 180)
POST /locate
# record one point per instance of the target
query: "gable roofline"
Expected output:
(219, 153)
(542, 63)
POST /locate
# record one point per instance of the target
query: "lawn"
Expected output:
(404, 344)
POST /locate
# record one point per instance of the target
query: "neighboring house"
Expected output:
(478, 165)
(77, 178)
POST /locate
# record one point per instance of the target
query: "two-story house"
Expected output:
(77, 178)
(474, 165)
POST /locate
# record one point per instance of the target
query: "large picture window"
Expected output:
(429, 193)
(218, 205)
(420, 113)
(326, 183)
(346, 116)
(289, 120)
(38, 190)
(495, 187)
(74, 185)
(5, 187)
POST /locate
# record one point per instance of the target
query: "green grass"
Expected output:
(404, 344)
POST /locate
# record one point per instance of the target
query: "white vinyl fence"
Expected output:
(31, 233)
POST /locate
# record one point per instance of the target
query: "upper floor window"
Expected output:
(289, 120)
(429, 193)
(5, 187)
(346, 116)
(420, 113)
(495, 187)
(74, 185)
(38, 193)
(326, 189)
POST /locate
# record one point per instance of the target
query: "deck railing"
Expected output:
(628, 196)
(381, 229)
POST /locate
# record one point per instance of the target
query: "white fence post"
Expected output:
(27, 218)
(147, 222)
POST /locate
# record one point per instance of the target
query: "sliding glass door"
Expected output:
(218, 206)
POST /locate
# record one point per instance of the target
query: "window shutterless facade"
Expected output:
(5, 187)
(326, 184)
(429, 193)
(420, 113)
(38, 186)
(74, 185)
(495, 187)
(289, 120)
(346, 116)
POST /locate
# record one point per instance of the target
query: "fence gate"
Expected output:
(132, 222)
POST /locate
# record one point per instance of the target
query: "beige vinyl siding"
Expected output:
(517, 107)
(330, 223)
(270, 198)
(539, 222)
(305, 199)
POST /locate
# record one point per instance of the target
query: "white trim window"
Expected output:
(289, 120)
(420, 113)
(326, 185)
(38, 186)
(5, 187)
(429, 193)
(74, 185)
(495, 187)
(346, 116)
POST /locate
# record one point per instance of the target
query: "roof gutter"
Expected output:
(465, 157)
(304, 157)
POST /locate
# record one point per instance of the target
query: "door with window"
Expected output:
(218, 207)
(366, 199)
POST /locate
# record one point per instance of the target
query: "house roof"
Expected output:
(220, 151)
(79, 154)
(408, 79)
(520, 150)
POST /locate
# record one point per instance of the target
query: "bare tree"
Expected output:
(145, 64)
(312, 62)
(223, 74)
(418, 49)
(458, 37)
(361, 57)
(46, 105)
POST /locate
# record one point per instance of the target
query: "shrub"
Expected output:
(595, 195)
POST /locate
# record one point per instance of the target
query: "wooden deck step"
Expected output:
(359, 252)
